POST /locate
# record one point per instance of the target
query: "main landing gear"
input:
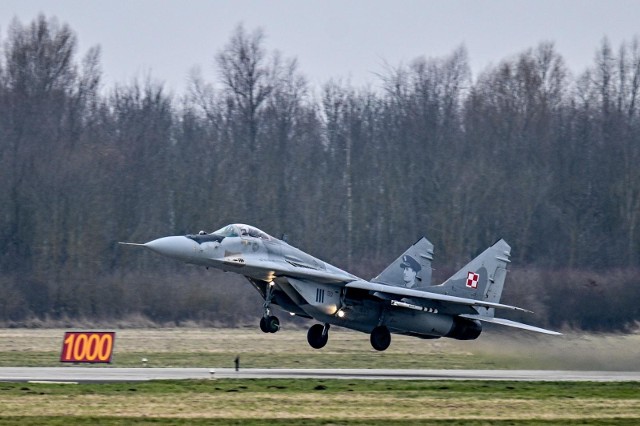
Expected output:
(380, 338)
(318, 335)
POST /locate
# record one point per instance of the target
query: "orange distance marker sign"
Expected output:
(87, 346)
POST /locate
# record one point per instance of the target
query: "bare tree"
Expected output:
(247, 77)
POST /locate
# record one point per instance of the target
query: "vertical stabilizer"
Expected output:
(482, 278)
(412, 269)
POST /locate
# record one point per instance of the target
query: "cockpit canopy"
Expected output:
(242, 230)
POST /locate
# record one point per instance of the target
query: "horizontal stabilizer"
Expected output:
(509, 323)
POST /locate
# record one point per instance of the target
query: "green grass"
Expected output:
(438, 389)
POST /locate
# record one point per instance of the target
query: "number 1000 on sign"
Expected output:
(87, 346)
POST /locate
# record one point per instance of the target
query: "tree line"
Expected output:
(526, 151)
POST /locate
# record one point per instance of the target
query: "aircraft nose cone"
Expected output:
(177, 247)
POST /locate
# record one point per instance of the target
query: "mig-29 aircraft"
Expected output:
(400, 300)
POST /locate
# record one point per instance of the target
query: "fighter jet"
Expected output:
(401, 300)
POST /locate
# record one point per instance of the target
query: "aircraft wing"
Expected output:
(509, 323)
(451, 304)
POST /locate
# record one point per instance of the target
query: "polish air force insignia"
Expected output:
(472, 280)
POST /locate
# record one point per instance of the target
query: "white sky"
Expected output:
(347, 39)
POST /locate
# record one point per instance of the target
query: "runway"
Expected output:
(75, 374)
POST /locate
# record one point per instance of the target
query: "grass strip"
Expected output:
(438, 389)
(109, 421)
(316, 401)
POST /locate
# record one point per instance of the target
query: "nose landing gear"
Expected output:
(268, 322)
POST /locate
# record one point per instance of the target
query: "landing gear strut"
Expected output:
(268, 322)
(380, 338)
(318, 335)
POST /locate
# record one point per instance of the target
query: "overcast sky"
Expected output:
(347, 39)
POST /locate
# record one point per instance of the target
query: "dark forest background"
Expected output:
(526, 151)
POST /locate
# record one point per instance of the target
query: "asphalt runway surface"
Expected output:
(74, 374)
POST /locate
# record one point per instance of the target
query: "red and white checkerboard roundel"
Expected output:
(472, 280)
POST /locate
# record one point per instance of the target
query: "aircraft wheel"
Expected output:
(315, 337)
(269, 324)
(273, 324)
(380, 338)
(263, 325)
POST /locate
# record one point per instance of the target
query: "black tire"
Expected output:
(380, 338)
(315, 338)
(263, 325)
(273, 324)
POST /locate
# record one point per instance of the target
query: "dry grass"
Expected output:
(349, 349)
(318, 405)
